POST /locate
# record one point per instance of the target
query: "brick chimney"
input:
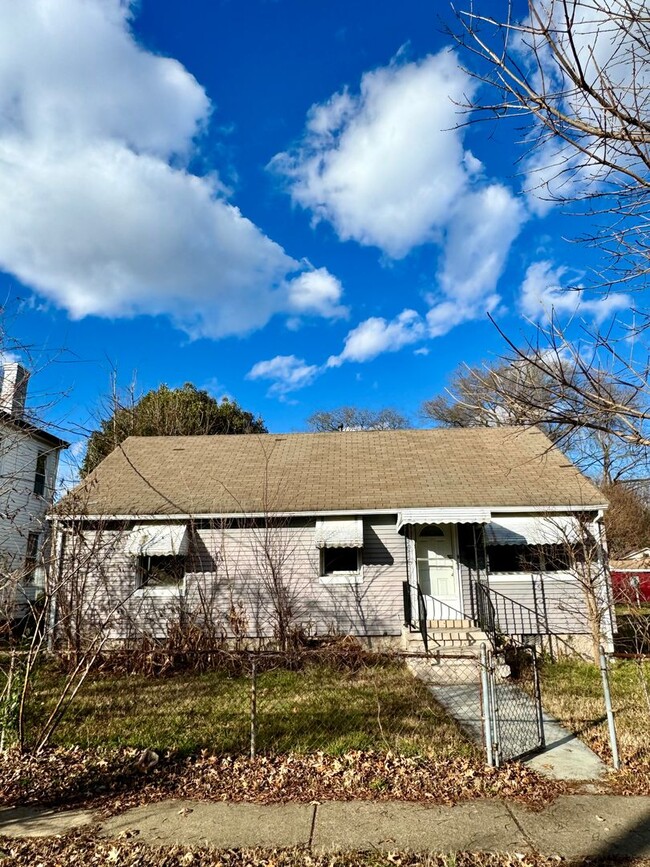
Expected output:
(13, 390)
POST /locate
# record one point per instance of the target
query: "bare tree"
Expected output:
(627, 520)
(574, 75)
(75, 617)
(357, 418)
(591, 385)
(582, 552)
(524, 391)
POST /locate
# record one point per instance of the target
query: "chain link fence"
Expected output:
(513, 704)
(451, 702)
(384, 702)
(333, 700)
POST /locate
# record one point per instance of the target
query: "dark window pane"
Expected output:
(340, 560)
(160, 571)
(39, 477)
(431, 532)
(531, 558)
(557, 558)
(513, 558)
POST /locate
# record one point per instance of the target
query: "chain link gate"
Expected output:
(512, 704)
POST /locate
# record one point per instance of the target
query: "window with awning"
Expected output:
(340, 541)
(160, 551)
(533, 544)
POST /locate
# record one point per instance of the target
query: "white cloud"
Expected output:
(97, 212)
(481, 231)
(286, 372)
(376, 335)
(318, 293)
(385, 166)
(545, 292)
(8, 357)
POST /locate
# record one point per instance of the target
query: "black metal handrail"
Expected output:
(514, 618)
(486, 616)
(422, 619)
(408, 608)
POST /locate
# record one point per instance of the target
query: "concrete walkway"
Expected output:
(565, 756)
(575, 826)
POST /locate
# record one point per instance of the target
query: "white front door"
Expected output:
(437, 573)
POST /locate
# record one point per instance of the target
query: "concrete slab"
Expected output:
(462, 701)
(565, 756)
(220, 825)
(580, 826)
(484, 826)
(33, 822)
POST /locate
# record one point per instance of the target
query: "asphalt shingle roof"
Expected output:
(340, 471)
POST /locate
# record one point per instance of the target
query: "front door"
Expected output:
(437, 573)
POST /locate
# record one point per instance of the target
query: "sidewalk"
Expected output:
(574, 826)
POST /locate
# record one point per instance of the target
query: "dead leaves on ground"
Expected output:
(82, 850)
(113, 780)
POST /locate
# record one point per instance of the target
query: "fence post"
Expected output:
(253, 706)
(539, 709)
(486, 706)
(610, 711)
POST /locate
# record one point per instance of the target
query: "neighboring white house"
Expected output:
(370, 533)
(29, 459)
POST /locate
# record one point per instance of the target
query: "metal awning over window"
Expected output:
(532, 531)
(458, 515)
(339, 533)
(158, 540)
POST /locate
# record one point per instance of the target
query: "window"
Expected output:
(340, 565)
(529, 558)
(31, 556)
(431, 531)
(39, 478)
(340, 560)
(160, 571)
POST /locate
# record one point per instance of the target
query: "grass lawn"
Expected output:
(318, 708)
(572, 691)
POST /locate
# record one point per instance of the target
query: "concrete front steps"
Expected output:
(445, 635)
(454, 648)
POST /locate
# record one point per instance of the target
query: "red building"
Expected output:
(631, 577)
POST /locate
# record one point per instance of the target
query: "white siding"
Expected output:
(228, 581)
(21, 510)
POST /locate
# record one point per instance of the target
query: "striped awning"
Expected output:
(458, 515)
(339, 533)
(158, 540)
(532, 531)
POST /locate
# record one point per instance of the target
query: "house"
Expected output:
(29, 459)
(394, 536)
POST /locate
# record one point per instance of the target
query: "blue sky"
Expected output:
(268, 198)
